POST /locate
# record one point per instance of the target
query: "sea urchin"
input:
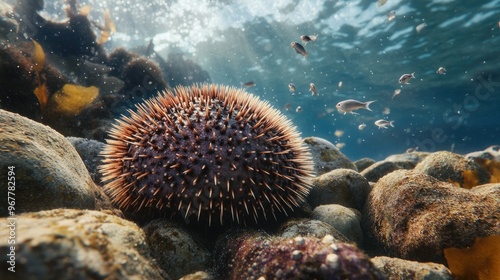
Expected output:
(207, 152)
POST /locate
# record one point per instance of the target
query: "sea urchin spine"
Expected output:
(210, 152)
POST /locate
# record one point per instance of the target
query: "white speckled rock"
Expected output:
(399, 269)
(78, 244)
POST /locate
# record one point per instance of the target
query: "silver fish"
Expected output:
(299, 109)
(391, 16)
(362, 126)
(291, 87)
(308, 38)
(350, 105)
(384, 123)
(299, 48)
(441, 70)
(406, 78)
(313, 90)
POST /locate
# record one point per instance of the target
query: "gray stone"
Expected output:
(306, 227)
(48, 171)
(174, 249)
(77, 244)
(89, 152)
(414, 157)
(399, 269)
(343, 219)
(326, 156)
(381, 168)
(362, 164)
(341, 186)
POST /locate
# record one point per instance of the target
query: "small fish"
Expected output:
(396, 93)
(299, 49)
(384, 123)
(386, 111)
(338, 133)
(350, 105)
(391, 16)
(248, 84)
(420, 27)
(313, 90)
(299, 109)
(411, 150)
(306, 38)
(406, 78)
(362, 126)
(291, 87)
(340, 84)
(441, 70)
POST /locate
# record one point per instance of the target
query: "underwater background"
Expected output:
(359, 54)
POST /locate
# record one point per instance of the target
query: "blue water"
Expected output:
(240, 41)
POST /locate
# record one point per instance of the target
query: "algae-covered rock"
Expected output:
(415, 216)
(340, 186)
(47, 171)
(77, 244)
(174, 249)
(363, 163)
(381, 168)
(250, 256)
(326, 156)
(453, 168)
(343, 219)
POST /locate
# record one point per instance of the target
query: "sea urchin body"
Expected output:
(209, 153)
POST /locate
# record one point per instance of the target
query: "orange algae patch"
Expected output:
(72, 99)
(481, 261)
(470, 179)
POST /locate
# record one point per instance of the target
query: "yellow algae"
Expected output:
(108, 29)
(85, 10)
(481, 261)
(72, 99)
(42, 95)
(39, 58)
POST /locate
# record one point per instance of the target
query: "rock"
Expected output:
(489, 160)
(199, 275)
(78, 244)
(454, 168)
(306, 227)
(326, 156)
(345, 220)
(341, 186)
(256, 256)
(490, 153)
(363, 163)
(48, 171)
(399, 269)
(381, 168)
(415, 216)
(414, 157)
(174, 249)
(89, 152)
(8, 25)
